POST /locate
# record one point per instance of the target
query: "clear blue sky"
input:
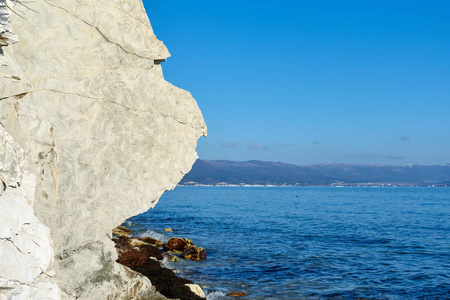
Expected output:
(313, 81)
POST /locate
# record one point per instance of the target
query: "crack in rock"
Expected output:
(98, 30)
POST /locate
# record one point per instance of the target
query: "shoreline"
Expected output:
(282, 270)
(149, 257)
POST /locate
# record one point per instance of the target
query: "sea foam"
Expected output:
(154, 234)
(215, 295)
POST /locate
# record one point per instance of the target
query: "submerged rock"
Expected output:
(194, 253)
(237, 294)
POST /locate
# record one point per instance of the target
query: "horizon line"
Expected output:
(329, 163)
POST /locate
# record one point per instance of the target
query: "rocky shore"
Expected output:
(147, 255)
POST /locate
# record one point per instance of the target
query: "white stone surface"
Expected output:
(12, 159)
(104, 134)
(196, 289)
(40, 289)
(25, 245)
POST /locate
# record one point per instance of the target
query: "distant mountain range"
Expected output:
(224, 172)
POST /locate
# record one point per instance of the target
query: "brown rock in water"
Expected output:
(178, 245)
(166, 281)
(171, 257)
(237, 294)
(121, 231)
(194, 253)
(168, 229)
(133, 253)
(152, 241)
(124, 229)
(117, 232)
(153, 251)
(138, 256)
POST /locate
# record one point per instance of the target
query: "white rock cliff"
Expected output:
(91, 134)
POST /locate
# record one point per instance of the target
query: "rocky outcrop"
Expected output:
(97, 135)
(185, 248)
(148, 260)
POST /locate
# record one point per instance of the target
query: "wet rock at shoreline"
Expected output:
(124, 229)
(196, 289)
(144, 255)
(132, 254)
(178, 245)
(152, 241)
(194, 253)
(166, 281)
(121, 231)
(145, 259)
(170, 257)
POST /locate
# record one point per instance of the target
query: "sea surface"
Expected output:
(310, 243)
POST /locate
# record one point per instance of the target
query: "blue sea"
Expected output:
(310, 242)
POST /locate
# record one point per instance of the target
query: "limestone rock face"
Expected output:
(26, 250)
(102, 136)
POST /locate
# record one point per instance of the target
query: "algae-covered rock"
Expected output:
(194, 253)
(170, 257)
(121, 231)
(145, 259)
(134, 252)
(152, 241)
(237, 294)
(124, 229)
(178, 245)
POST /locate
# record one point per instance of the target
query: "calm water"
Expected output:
(311, 243)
